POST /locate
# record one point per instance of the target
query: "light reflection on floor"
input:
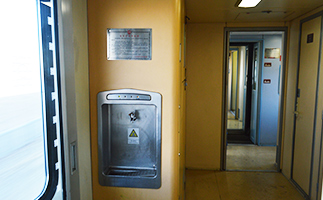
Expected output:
(233, 123)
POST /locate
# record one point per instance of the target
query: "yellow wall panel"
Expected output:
(204, 95)
(161, 74)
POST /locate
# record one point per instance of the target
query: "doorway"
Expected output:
(240, 66)
(253, 95)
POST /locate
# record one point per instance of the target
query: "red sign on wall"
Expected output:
(267, 81)
(267, 64)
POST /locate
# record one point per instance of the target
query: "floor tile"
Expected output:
(234, 124)
(201, 184)
(255, 186)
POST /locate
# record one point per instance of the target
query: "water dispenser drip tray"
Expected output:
(148, 173)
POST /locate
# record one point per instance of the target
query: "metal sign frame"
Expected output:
(129, 44)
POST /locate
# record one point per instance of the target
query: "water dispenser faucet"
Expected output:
(132, 116)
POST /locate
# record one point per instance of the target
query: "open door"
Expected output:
(239, 92)
(254, 94)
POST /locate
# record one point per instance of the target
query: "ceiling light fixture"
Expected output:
(247, 3)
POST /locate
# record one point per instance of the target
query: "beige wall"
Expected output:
(318, 134)
(161, 74)
(290, 104)
(72, 16)
(82, 96)
(182, 108)
(204, 92)
(291, 77)
(291, 74)
(204, 95)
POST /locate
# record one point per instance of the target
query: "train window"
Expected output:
(30, 137)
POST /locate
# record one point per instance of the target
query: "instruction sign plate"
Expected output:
(129, 44)
(272, 53)
(133, 135)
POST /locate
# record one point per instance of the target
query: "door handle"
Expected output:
(296, 113)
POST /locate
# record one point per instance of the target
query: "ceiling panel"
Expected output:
(224, 10)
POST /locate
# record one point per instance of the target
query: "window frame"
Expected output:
(50, 67)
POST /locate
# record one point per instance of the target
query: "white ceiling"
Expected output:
(202, 11)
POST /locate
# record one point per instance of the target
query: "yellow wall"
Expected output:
(182, 108)
(234, 81)
(204, 92)
(204, 95)
(161, 74)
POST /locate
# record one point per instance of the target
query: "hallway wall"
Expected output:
(291, 77)
(242, 79)
(204, 92)
(290, 104)
(204, 95)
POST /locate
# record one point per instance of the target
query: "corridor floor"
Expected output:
(233, 123)
(251, 157)
(219, 185)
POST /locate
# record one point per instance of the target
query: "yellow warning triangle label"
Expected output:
(133, 133)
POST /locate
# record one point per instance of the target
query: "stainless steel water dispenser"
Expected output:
(129, 138)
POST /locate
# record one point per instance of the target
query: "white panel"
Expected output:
(73, 41)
